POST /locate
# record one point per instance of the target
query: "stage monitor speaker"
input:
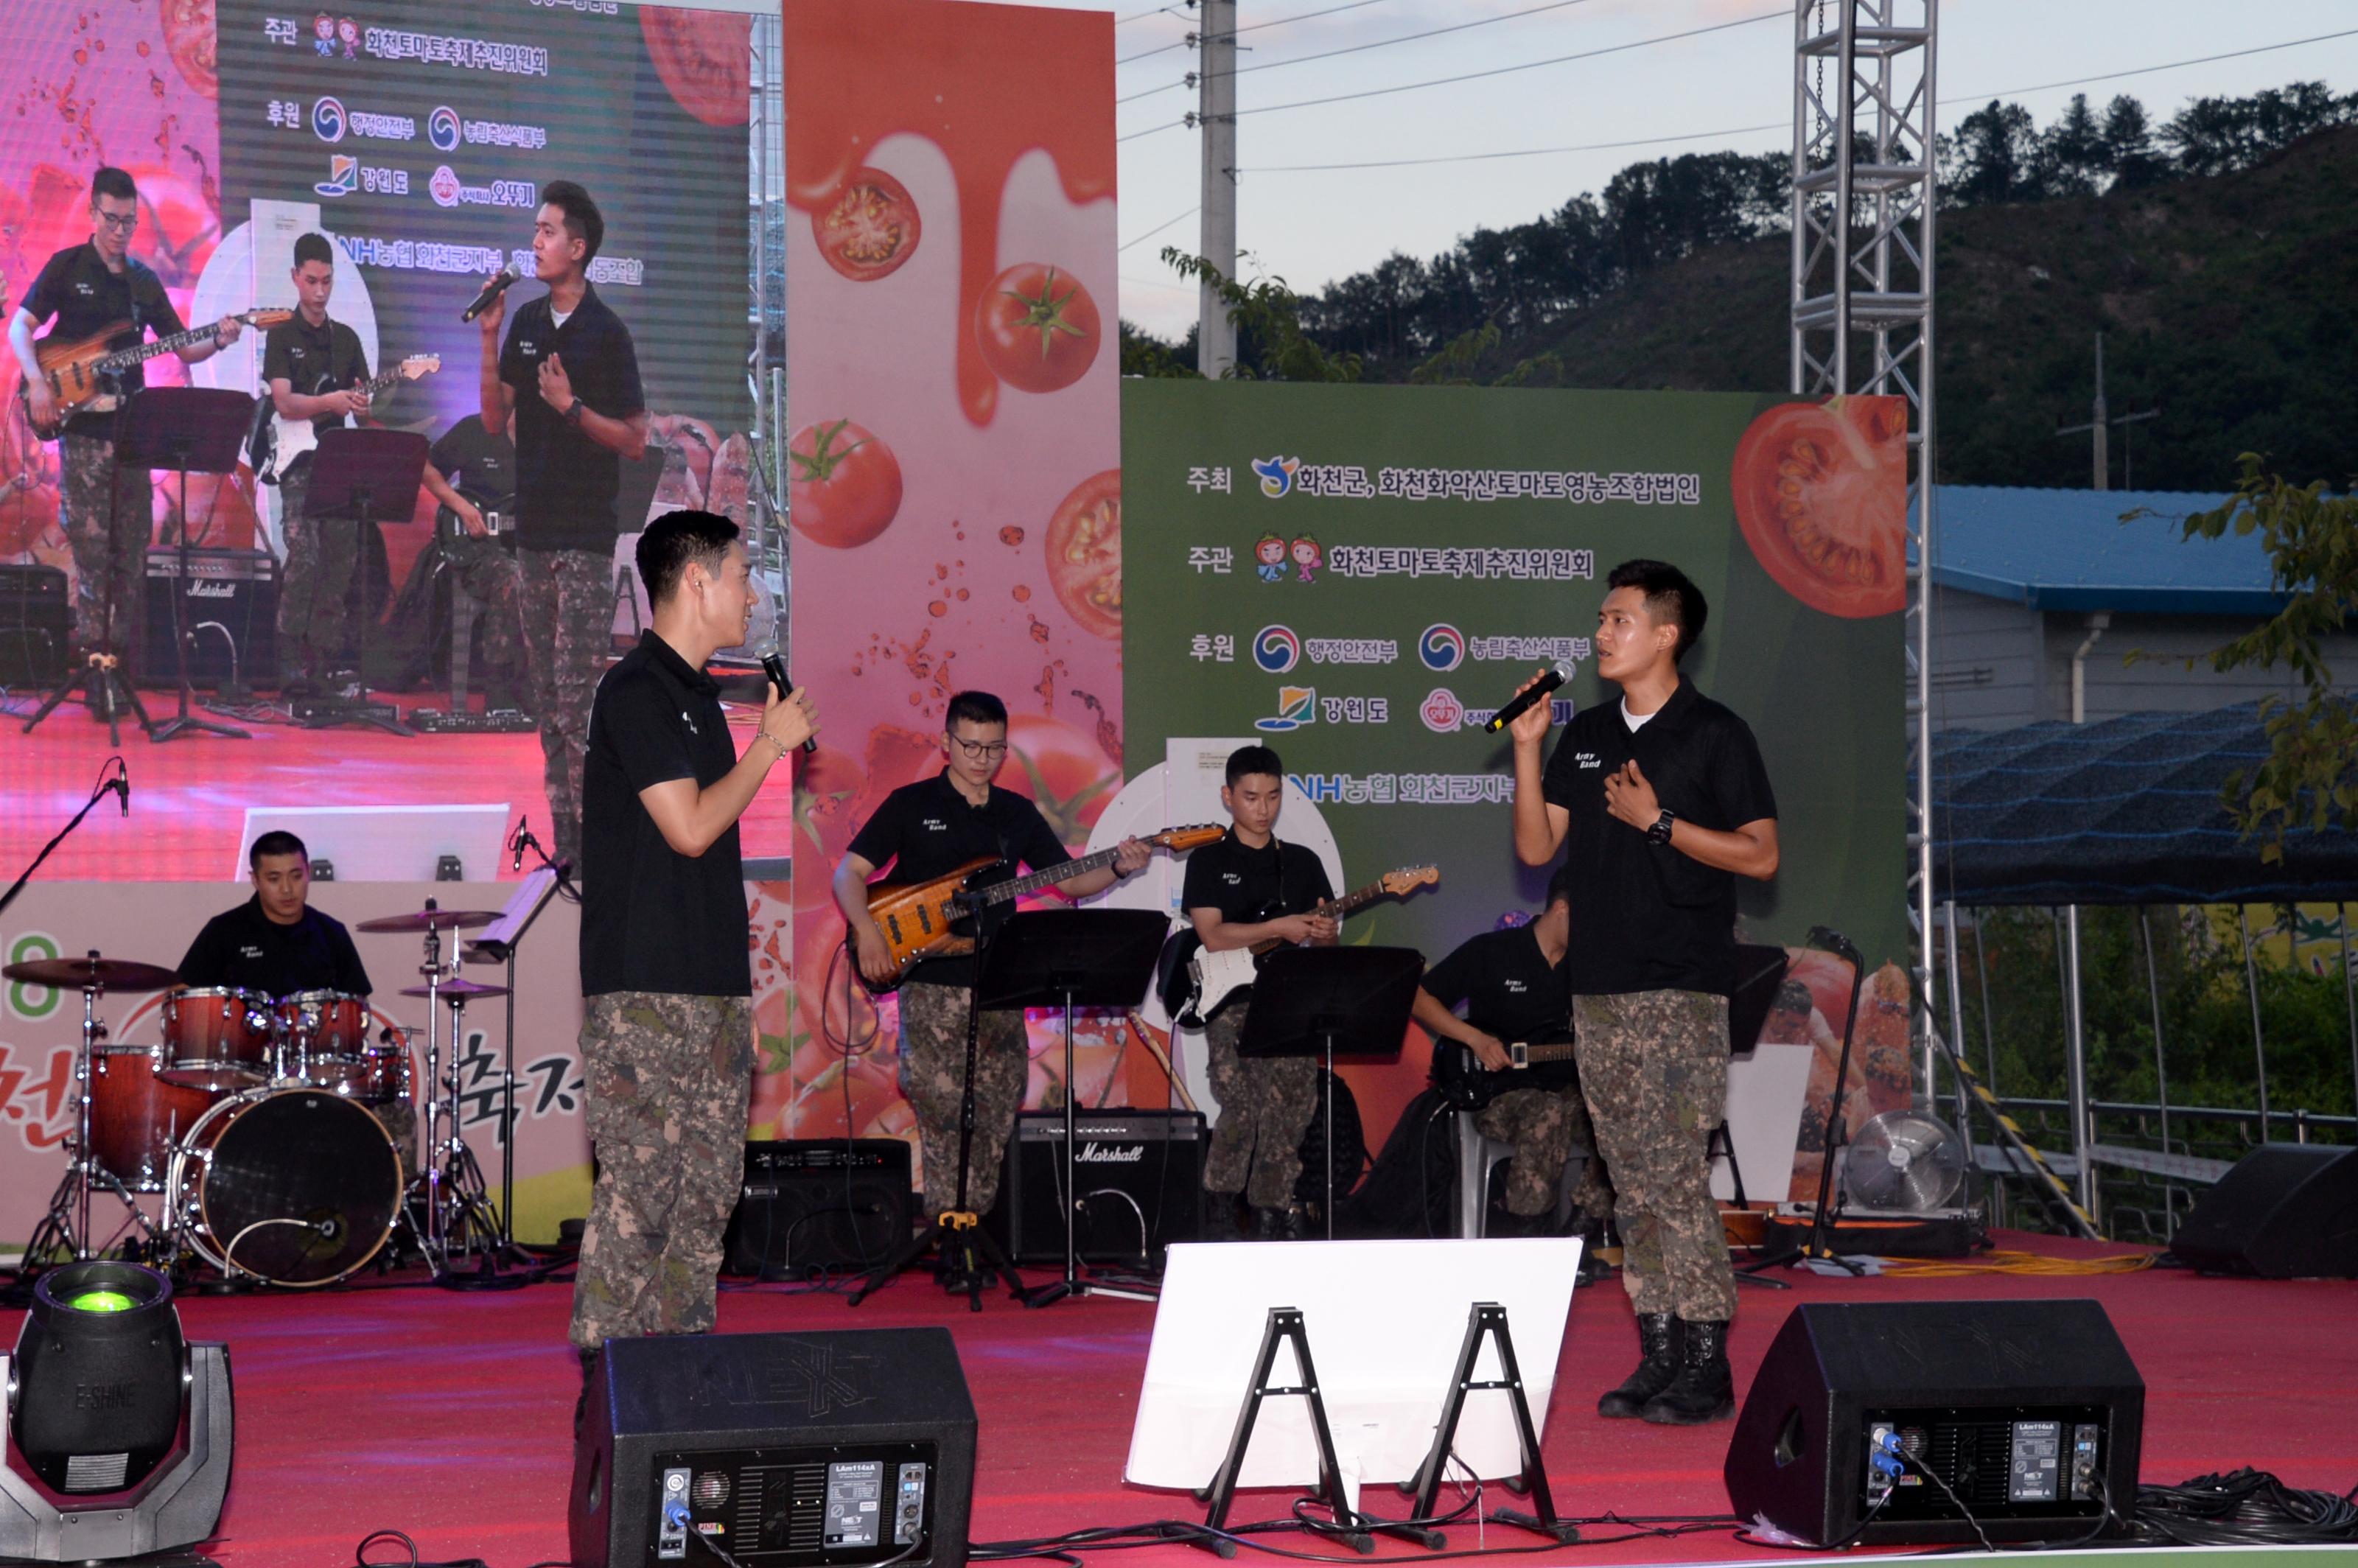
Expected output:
(35, 626)
(229, 609)
(2285, 1211)
(832, 1450)
(1139, 1176)
(2028, 1413)
(819, 1204)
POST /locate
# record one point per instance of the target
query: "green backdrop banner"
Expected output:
(1361, 574)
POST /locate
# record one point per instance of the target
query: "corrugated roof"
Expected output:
(2069, 550)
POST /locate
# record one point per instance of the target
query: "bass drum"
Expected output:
(293, 1186)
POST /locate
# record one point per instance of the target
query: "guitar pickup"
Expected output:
(1519, 1055)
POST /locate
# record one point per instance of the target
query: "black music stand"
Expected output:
(1067, 958)
(187, 429)
(1329, 1002)
(363, 477)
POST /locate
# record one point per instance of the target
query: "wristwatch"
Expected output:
(1659, 833)
(572, 414)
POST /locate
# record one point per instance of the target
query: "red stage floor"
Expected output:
(190, 796)
(450, 1416)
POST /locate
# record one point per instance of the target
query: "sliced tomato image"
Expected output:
(846, 486)
(1037, 326)
(1085, 554)
(705, 59)
(1822, 496)
(871, 229)
(189, 35)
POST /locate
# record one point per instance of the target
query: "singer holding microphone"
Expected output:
(1659, 802)
(667, 1031)
(570, 373)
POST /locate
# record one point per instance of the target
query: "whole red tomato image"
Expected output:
(871, 228)
(1061, 768)
(189, 34)
(1822, 495)
(1085, 554)
(846, 485)
(1037, 326)
(704, 58)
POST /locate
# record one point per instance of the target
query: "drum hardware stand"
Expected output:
(100, 677)
(503, 950)
(475, 1226)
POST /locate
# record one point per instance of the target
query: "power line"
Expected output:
(2148, 69)
(1156, 230)
(1142, 16)
(1356, 48)
(1193, 39)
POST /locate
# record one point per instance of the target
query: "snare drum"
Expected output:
(136, 1117)
(325, 1036)
(216, 1039)
(293, 1186)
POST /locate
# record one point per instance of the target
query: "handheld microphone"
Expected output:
(1516, 705)
(774, 664)
(1833, 941)
(516, 844)
(491, 290)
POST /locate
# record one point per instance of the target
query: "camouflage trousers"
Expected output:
(568, 601)
(321, 553)
(486, 571)
(933, 1076)
(1266, 1105)
(1545, 1126)
(1653, 1066)
(107, 527)
(668, 1080)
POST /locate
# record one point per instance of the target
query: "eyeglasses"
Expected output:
(977, 750)
(122, 222)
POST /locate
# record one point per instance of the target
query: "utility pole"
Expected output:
(1216, 118)
(2099, 424)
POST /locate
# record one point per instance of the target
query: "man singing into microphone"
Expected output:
(1658, 801)
(667, 1035)
(570, 373)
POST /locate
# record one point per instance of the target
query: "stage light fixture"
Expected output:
(120, 1431)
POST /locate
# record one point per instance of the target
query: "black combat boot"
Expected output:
(1661, 1343)
(581, 1404)
(1269, 1224)
(1221, 1217)
(1705, 1388)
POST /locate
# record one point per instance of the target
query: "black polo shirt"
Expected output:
(1246, 885)
(480, 464)
(1507, 986)
(652, 918)
(565, 483)
(926, 829)
(314, 359)
(246, 948)
(1645, 916)
(77, 288)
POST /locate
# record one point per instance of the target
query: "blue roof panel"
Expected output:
(2069, 550)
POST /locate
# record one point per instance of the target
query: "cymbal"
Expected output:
(430, 920)
(460, 986)
(93, 973)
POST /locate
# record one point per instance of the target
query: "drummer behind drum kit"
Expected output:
(281, 1136)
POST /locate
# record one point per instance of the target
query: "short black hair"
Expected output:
(1246, 761)
(314, 247)
(582, 218)
(277, 842)
(1670, 596)
(676, 538)
(1559, 887)
(975, 708)
(113, 182)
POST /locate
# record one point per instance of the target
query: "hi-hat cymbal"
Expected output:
(91, 973)
(460, 987)
(429, 920)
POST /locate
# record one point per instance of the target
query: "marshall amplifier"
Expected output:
(815, 1204)
(229, 610)
(1138, 1174)
(35, 626)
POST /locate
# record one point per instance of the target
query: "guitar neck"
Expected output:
(1349, 904)
(124, 359)
(1000, 893)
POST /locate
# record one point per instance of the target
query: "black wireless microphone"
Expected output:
(1524, 700)
(491, 290)
(774, 664)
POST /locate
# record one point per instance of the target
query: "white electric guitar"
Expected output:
(1215, 976)
(276, 441)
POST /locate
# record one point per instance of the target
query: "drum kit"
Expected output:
(280, 1134)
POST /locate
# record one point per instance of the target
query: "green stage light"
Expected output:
(101, 1301)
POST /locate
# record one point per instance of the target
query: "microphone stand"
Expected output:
(95, 797)
(504, 952)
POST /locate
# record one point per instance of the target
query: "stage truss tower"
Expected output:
(1865, 179)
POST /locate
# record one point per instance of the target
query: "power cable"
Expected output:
(1297, 16)
(1357, 49)
(1142, 16)
(1156, 230)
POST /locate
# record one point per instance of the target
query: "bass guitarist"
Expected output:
(1244, 889)
(324, 358)
(1511, 985)
(925, 830)
(89, 289)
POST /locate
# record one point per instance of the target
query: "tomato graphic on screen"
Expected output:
(1085, 554)
(189, 34)
(846, 485)
(1037, 326)
(1061, 768)
(870, 229)
(704, 58)
(1822, 493)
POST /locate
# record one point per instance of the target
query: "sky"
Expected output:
(1313, 226)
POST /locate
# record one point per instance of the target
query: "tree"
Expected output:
(1267, 315)
(1993, 157)
(2220, 136)
(2074, 158)
(2311, 774)
(1144, 355)
(2128, 145)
